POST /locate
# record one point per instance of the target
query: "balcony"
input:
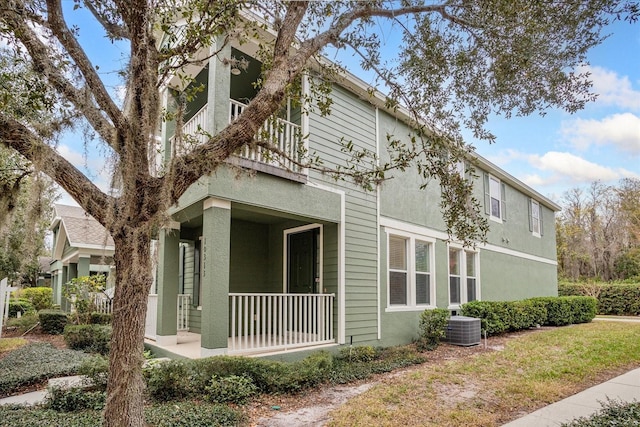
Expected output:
(283, 135)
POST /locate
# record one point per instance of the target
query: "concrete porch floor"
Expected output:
(189, 346)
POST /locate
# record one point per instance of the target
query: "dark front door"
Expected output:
(302, 260)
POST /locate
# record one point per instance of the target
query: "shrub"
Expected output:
(193, 415)
(96, 318)
(24, 416)
(36, 362)
(21, 305)
(433, 324)
(69, 399)
(613, 413)
(89, 338)
(52, 321)
(41, 297)
(234, 389)
(169, 381)
(165, 415)
(96, 369)
(362, 353)
(503, 316)
(617, 299)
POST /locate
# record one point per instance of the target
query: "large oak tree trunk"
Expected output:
(125, 389)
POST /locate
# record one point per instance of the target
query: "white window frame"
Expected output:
(410, 241)
(533, 220)
(501, 197)
(493, 196)
(462, 264)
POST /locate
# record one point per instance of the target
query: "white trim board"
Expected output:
(424, 231)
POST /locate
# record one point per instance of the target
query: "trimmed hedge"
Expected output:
(53, 321)
(89, 338)
(96, 318)
(613, 299)
(507, 316)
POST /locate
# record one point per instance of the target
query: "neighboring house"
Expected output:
(44, 271)
(284, 258)
(81, 247)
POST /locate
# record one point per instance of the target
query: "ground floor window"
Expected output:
(410, 276)
(463, 277)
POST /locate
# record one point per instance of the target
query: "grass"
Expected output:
(9, 344)
(533, 370)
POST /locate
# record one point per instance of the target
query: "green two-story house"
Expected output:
(264, 256)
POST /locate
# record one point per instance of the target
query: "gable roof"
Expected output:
(81, 229)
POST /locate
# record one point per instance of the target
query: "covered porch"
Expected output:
(238, 279)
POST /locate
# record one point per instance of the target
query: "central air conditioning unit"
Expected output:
(463, 330)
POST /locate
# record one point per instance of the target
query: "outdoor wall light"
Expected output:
(237, 65)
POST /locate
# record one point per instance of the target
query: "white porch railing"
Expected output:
(183, 312)
(260, 322)
(282, 134)
(103, 303)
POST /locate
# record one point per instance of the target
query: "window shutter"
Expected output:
(487, 194)
(504, 201)
(530, 215)
(540, 215)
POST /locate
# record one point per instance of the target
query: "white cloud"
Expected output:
(93, 166)
(569, 169)
(612, 89)
(619, 130)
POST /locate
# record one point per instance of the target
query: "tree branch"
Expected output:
(113, 29)
(59, 28)
(15, 135)
(43, 64)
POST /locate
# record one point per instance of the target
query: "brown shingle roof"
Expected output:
(82, 230)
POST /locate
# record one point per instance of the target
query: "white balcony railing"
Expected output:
(282, 134)
(267, 322)
(194, 128)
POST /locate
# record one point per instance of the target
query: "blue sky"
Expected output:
(601, 142)
(552, 153)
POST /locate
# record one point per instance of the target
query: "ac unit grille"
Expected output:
(463, 330)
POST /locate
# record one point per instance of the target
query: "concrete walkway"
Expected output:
(625, 388)
(38, 397)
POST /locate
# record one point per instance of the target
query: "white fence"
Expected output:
(261, 322)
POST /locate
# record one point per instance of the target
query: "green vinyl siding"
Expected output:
(352, 119)
(249, 262)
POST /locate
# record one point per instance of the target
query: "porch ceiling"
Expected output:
(191, 217)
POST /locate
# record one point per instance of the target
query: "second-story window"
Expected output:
(495, 198)
(535, 218)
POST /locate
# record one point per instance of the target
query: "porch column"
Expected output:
(64, 278)
(218, 87)
(168, 255)
(83, 266)
(72, 272)
(216, 241)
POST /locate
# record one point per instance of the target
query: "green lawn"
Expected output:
(533, 370)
